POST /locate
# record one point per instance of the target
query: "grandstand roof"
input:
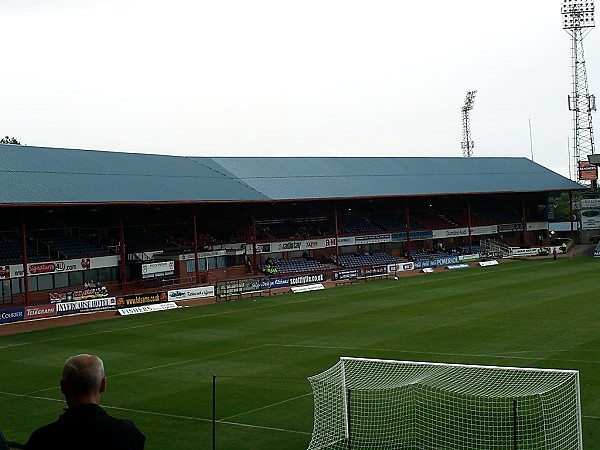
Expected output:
(41, 175)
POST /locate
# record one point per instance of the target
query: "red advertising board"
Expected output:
(587, 171)
(37, 312)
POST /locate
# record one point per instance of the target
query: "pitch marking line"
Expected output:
(283, 430)
(225, 421)
(198, 419)
(161, 366)
(33, 397)
(469, 355)
(262, 408)
(176, 363)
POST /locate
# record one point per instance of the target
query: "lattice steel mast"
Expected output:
(467, 144)
(578, 20)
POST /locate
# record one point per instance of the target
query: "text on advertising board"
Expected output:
(141, 299)
(98, 304)
(37, 312)
(12, 315)
(191, 293)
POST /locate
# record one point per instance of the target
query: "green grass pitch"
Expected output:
(159, 366)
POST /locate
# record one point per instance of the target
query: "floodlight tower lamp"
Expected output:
(578, 14)
(467, 144)
(469, 100)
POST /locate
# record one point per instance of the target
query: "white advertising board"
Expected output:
(590, 219)
(307, 288)
(400, 267)
(533, 226)
(589, 203)
(147, 308)
(453, 232)
(488, 263)
(191, 293)
(158, 267)
(291, 246)
(479, 231)
(212, 254)
(524, 251)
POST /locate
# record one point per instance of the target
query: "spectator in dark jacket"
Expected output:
(84, 424)
(3, 444)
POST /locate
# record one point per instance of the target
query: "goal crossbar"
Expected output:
(441, 364)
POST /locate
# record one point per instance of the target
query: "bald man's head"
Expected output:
(82, 375)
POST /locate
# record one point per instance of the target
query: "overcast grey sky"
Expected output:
(279, 78)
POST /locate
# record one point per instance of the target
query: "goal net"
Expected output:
(373, 404)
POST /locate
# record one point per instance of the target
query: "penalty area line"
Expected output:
(268, 406)
(260, 427)
(201, 419)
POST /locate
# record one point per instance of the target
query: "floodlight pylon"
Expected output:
(467, 144)
(578, 20)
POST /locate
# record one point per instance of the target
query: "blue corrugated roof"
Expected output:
(316, 178)
(41, 175)
(50, 175)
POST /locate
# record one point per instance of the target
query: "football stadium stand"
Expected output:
(77, 216)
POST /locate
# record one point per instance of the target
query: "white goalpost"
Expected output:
(375, 404)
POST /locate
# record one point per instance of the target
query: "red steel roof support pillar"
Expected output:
(408, 249)
(122, 251)
(337, 239)
(254, 261)
(25, 268)
(469, 224)
(524, 221)
(196, 264)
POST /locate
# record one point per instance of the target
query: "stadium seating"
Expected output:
(433, 222)
(322, 227)
(393, 222)
(69, 247)
(10, 252)
(474, 249)
(137, 241)
(462, 219)
(373, 259)
(358, 225)
(500, 216)
(300, 228)
(423, 255)
(296, 266)
(280, 230)
(389, 222)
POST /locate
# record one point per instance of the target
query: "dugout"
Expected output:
(79, 216)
